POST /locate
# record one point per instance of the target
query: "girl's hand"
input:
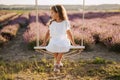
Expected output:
(43, 44)
(74, 44)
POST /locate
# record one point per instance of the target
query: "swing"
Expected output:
(73, 49)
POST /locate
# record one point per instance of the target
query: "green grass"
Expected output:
(112, 10)
(17, 11)
(99, 60)
(43, 69)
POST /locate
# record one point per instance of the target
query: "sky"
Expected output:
(53, 2)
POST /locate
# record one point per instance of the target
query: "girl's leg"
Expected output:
(56, 69)
(55, 57)
(59, 58)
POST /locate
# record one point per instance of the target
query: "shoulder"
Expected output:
(67, 21)
(50, 22)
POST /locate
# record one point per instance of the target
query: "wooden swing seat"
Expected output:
(74, 50)
(71, 47)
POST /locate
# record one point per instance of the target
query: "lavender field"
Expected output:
(100, 27)
(99, 61)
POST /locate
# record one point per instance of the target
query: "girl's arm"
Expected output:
(47, 36)
(70, 37)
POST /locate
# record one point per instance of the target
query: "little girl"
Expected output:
(60, 35)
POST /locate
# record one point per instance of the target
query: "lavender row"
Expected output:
(7, 16)
(30, 35)
(104, 30)
(22, 20)
(43, 17)
(9, 31)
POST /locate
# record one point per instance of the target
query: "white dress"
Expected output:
(58, 37)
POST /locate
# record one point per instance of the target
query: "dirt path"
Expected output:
(99, 51)
(18, 50)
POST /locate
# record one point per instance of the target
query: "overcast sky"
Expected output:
(53, 2)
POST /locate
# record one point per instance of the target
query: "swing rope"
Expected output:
(83, 20)
(42, 49)
(37, 32)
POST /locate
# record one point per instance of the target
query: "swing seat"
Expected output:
(71, 47)
(74, 50)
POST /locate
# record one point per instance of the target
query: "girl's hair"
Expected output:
(61, 12)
